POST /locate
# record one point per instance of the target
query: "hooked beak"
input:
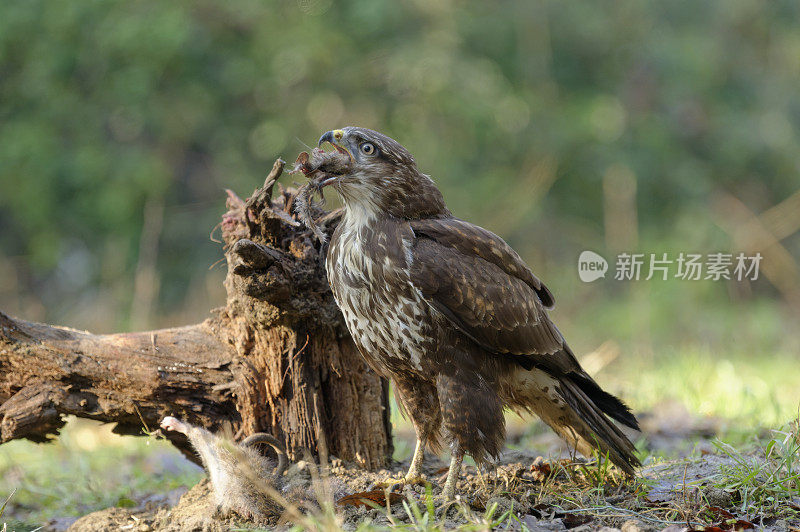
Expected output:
(333, 137)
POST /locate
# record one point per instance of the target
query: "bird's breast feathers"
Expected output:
(368, 269)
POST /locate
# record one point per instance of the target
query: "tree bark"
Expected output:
(277, 358)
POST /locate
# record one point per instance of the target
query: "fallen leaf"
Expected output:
(575, 520)
(365, 498)
(478, 503)
(720, 513)
(741, 524)
(540, 469)
(730, 524)
(542, 511)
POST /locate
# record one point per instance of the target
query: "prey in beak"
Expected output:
(334, 138)
(322, 168)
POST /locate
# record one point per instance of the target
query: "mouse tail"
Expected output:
(272, 441)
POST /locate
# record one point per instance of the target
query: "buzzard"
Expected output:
(453, 316)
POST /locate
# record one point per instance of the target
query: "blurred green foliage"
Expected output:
(519, 109)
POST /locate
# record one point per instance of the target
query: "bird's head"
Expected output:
(381, 177)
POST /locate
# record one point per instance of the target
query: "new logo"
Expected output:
(591, 266)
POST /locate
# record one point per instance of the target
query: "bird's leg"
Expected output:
(449, 491)
(413, 474)
(482, 478)
(420, 401)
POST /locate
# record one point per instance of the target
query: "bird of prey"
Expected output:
(453, 316)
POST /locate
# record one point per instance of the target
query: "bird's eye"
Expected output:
(368, 148)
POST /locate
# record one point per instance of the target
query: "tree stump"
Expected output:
(277, 358)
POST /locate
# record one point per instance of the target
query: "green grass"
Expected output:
(425, 515)
(766, 481)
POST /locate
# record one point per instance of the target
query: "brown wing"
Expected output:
(473, 240)
(484, 288)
